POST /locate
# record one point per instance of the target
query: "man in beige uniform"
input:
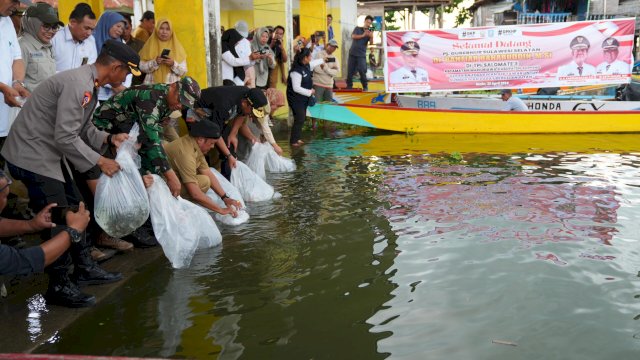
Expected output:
(186, 156)
(53, 134)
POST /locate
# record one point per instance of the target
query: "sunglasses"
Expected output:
(50, 28)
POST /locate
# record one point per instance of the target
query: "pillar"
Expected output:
(313, 16)
(190, 28)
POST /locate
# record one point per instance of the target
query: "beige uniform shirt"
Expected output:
(187, 161)
(38, 59)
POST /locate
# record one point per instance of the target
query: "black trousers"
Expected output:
(299, 116)
(359, 64)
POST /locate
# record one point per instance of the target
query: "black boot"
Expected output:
(87, 271)
(143, 237)
(62, 291)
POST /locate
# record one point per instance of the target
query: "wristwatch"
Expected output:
(224, 196)
(74, 234)
(19, 82)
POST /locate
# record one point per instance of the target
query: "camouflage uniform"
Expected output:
(147, 105)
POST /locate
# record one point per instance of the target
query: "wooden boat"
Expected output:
(374, 110)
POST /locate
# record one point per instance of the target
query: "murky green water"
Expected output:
(424, 247)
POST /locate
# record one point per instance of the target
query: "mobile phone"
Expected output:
(59, 213)
(85, 60)
(263, 51)
(165, 53)
(331, 59)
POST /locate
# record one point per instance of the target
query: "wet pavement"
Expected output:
(27, 322)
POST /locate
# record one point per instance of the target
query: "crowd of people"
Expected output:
(71, 94)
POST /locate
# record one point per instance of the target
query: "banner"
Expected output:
(517, 56)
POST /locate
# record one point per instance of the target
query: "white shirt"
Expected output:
(69, 53)
(296, 78)
(615, 68)
(9, 52)
(515, 104)
(571, 69)
(243, 49)
(404, 75)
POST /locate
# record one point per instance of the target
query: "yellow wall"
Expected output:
(228, 18)
(313, 16)
(65, 7)
(268, 12)
(189, 27)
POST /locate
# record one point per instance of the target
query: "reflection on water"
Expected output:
(408, 248)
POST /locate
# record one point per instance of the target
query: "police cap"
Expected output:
(121, 51)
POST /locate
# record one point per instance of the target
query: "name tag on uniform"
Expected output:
(37, 55)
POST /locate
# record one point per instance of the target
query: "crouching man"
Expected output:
(187, 159)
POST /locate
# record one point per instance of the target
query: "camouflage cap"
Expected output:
(189, 91)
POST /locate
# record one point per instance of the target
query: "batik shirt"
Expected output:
(146, 105)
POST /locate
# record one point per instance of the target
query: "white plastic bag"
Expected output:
(278, 164)
(257, 158)
(121, 202)
(250, 185)
(233, 193)
(180, 226)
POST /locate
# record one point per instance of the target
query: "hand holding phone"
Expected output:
(165, 53)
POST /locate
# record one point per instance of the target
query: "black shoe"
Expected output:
(68, 295)
(143, 237)
(95, 275)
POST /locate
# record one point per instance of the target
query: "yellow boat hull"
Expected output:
(459, 121)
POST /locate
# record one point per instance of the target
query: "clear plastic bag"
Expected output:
(233, 193)
(278, 164)
(257, 158)
(121, 201)
(250, 185)
(180, 226)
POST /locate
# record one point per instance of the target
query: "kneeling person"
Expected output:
(186, 156)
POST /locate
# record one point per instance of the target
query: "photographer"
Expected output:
(361, 36)
(315, 44)
(34, 259)
(259, 44)
(280, 56)
(324, 73)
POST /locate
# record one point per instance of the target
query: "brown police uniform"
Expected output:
(188, 161)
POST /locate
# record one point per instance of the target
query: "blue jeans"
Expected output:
(359, 64)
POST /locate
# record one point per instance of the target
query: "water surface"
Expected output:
(407, 247)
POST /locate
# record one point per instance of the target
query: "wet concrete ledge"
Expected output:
(27, 322)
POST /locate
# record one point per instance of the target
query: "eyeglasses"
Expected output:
(51, 28)
(9, 181)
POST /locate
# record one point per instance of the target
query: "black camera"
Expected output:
(59, 214)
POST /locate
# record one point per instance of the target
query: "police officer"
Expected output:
(610, 65)
(52, 135)
(410, 73)
(578, 67)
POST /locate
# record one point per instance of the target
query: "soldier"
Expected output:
(610, 65)
(578, 67)
(149, 106)
(409, 73)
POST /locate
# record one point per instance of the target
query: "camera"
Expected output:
(320, 33)
(59, 213)
(264, 50)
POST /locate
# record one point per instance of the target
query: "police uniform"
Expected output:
(572, 69)
(53, 129)
(406, 75)
(146, 105)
